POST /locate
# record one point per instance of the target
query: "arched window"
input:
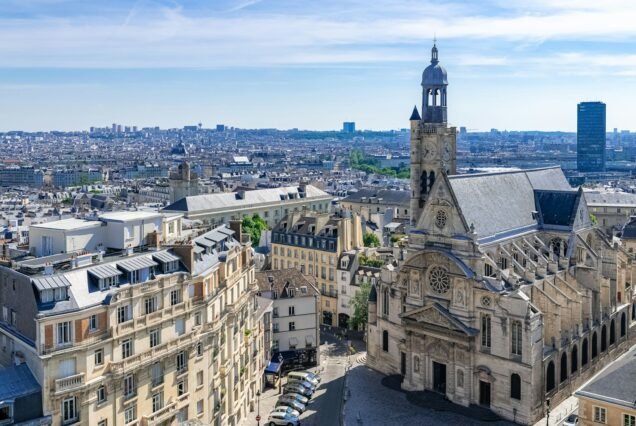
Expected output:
(385, 302)
(623, 324)
(574, 360)
(515, 386)
(549, 377)
(584, 351)
(612, 332)
(485, 331)
(633, 311)
(385, 341)
(594, 345)
(603, 338)
(564, 367)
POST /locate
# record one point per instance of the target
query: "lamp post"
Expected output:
(258, 408)
(280, 372)
(547, 417)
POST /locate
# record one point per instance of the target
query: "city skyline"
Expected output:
(69, 65)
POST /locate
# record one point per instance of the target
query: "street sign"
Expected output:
(258, 418)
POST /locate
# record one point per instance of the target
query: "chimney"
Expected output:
(237, 227)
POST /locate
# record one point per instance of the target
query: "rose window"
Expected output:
(439, 281)
(485, 301)
(440, 219)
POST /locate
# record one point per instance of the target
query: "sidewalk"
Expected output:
(560, 412)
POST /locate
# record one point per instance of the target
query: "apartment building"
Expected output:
(351, 275)
(295, 314)
(272, 204)
(147, 337)
(312, 243)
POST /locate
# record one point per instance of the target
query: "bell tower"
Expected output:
(433, 143)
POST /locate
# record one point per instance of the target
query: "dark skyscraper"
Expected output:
(349, 127)
(590, 137)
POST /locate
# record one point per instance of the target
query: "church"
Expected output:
(508, 297)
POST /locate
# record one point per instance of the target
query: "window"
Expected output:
(515, 386)
(101, 394)
(275, 327)
(157, 402)
(199, 378)
(61, 293)
(600, 415)
(199, 349)
(64, 333)
(69, 410)
(385, 302)
(292, 311)
(156, 374)
(179, 326)
(489, 270)
(629, 420)
(197, 319)
(485, 331)
(385, 341)
(126, 348)
(182, 387)
(99, 357)
(200, 407)
(133, 276)
(155, 337)
(175, 297)
(150, 305)
(129, 386)
(182, 362)
(102, 423)
(516, 337)
(130, 415)
(92, 323)
(292, 326)
(46, 296)
(124, 313)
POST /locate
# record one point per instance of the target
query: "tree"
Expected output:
(254, 226)
(360, 304)
(371, 240)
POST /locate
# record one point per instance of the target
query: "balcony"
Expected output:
(69, 383)
(160, 416)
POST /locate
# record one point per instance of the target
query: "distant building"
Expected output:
(21, 176)
(611, 209)
(590, 137)
(369, 200)
(220, 127)
(183, 183)
(272, 204)
(349, 127)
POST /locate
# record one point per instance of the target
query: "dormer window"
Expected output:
(47, 296)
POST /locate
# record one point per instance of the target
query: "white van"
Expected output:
(303, 376)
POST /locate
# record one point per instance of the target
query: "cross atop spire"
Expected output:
(434, 59)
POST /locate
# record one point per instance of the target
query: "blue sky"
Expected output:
(512, 64)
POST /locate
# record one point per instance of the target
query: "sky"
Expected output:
(512, 64)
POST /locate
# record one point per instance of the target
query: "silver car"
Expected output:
(283, 419)
(303, 383)
(286, 410)
(296, 388)
(296, 396)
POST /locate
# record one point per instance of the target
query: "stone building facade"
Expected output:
(509, 297)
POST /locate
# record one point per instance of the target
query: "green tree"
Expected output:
(366, 261)
(360, 304)
(371, 240)
(593, 219)
(254, 225)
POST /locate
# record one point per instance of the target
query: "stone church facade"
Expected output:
(509, 297)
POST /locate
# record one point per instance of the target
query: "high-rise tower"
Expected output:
(433, 143)
(590, 137)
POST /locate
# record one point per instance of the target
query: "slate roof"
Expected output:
(17, 381)
(629, 230)
(50, 282)
(137, 263)
(400, 198)
(605, 198)
(615, 384)
(279, 279)
(232, 200)
(557, 207)
(105, 271)
(500, 203)
(415, 115)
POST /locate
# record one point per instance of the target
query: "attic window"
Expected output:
(303, 290)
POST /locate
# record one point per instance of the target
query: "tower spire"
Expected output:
(434, 59)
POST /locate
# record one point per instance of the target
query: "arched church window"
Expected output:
(438, 280)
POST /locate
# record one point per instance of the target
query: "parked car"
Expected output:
(286, 410)
(298, 406)
(283, 419)
(311, 375)
(301, 382)
(572, 420)
(295, 396)
(303, 375)
(297, 388)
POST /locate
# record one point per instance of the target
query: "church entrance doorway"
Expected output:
(403, 364)
(439, 377)
(484, 393)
